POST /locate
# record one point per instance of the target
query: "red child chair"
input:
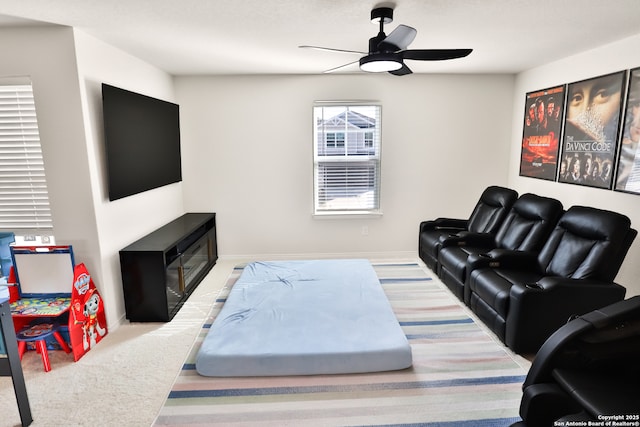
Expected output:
(38, 333)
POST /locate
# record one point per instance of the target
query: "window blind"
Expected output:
(346, 159)
(24, 199)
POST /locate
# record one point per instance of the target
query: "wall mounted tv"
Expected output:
(142, 138)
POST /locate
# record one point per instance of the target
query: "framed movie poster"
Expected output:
(591, 128)
(541, 133)
(628, 175)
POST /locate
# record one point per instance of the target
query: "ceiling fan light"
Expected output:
(380, 62)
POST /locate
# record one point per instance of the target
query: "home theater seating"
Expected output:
(525, 228)
(587, 370)
(525, 266)
(486, 217)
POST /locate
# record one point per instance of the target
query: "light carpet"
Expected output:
(460, 375)
(124, 380)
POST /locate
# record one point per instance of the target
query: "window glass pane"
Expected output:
(347, 158)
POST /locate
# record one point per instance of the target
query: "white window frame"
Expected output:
(24, 197)
(361, 161)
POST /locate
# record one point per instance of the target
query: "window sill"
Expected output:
(347, 214)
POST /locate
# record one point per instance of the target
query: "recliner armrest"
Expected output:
(504, 258)
(600, 393)
(498, 259)
(469, 238)
(542, 404)
(536, 310)
(453, 224)
(484, 260)
(551, 282)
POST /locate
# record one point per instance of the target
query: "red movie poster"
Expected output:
(541, 133)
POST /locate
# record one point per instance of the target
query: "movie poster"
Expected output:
(628, 176)
(541, 133)
(591, 129)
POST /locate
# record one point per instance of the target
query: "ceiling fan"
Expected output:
(387, 53)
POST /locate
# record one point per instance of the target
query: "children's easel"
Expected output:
(52, 286)
(43, 276)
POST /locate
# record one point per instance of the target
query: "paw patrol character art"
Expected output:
(87, 320)
(91, 323)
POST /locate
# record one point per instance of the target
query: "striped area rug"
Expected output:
(460, 376)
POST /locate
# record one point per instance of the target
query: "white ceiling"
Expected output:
(186, 37)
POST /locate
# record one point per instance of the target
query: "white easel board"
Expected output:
(43, 272)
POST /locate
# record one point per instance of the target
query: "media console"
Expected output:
(162, 269)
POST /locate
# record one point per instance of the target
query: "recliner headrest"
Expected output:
(498, 196)
(596, 224)
(534, 207)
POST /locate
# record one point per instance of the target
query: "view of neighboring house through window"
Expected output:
(24, 199)
(346, 158)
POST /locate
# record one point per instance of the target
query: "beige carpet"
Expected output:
(124, 380)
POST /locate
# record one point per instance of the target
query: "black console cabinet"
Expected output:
(162, 269)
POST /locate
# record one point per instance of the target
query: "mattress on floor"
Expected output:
(304, 318)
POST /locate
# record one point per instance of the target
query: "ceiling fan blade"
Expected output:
(401, 38)
(402, 71)
(435, 54)
(329, 49)
(331, 70)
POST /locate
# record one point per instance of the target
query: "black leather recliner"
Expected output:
(525, 228)
(587, 369)
(524, 298)
(493, 206)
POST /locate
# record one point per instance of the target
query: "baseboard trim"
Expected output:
(404, 255)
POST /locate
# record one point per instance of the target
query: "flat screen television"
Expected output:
(142, 138)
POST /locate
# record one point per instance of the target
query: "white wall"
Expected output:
(47, 55)
(66, 68)
(123, 221)
(614, 57)
(248, 157)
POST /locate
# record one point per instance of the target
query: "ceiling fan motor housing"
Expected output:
(384, 14)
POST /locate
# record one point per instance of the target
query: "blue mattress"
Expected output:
(304, 318)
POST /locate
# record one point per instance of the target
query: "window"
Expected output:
(24, 200)
(346, 159)
(368, 139)
(335, 139)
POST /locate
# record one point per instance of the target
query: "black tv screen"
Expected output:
(142, 137)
